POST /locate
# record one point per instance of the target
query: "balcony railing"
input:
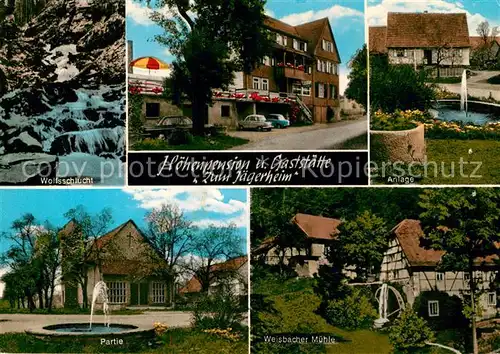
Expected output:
(292, 72)
(255, 96)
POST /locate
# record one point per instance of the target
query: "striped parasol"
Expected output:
(150, 63)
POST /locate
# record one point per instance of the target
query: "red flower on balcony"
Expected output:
(134, 90)
(157, 90)
(239, 95)
(275, 99)
(281, 65)
(301, 67)
(218, 94)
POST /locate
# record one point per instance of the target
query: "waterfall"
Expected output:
(100, 290)
(463, 92)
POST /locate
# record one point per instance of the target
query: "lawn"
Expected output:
(221, 142)
(178, 341)
(445, 80)
(449, 161)
(296, 303)
(447, 154)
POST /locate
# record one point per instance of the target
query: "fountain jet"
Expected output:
(463, 93)
(100, 291)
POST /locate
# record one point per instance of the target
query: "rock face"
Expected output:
(62, 82)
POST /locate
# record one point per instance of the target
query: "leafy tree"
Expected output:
(354, 311)
(135, 103)
(211, 40)
(170, 234)
(465, 223)
(357, 89)
(212, 245)
(398, 87)
(363, 242)
(79, 246)
(409, 333)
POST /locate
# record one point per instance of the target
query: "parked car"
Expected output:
(256, 122)
(166, 125)
(277, 120)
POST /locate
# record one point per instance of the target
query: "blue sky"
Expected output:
(203, 206)
(346, 18)
(477, 10)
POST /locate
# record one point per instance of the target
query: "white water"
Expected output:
(382, 303)
(100, 291)
(463, 92)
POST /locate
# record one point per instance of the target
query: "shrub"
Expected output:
(399, 120)
(330, 114)
(410, 332)
(221, 310)
(399, 87)
(353, 312)
(180, 137)
(450, 310)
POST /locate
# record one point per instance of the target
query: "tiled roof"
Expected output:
(476, 41)
(424, 30)
(377, 36)
(194, 285)
(410, 236)
(280, 26)
(317, 227)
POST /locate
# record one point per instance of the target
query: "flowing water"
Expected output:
(100, 291)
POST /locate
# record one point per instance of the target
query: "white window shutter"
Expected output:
(319, 65)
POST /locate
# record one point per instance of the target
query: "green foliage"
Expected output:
(362, 241)
(399, 120)
(218, 142)
(180, 137)
(135, 103)
(220, 310)
(410, 332)
(355, 311)
(450, 310)
(341, 203)
(210, 41)
(357, 88)
(330, 114)
(463, 222)
(398, 87)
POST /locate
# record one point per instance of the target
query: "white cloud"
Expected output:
(377, 14)
(139, 13)
(334, 13)
(238, 221)
(187, 199)
(269, 12)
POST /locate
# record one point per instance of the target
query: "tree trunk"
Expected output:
(198, 115)
(473, 304)
(84, 293)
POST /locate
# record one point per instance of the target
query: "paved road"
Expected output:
(318, 139)
(478, 86)
(22, 322)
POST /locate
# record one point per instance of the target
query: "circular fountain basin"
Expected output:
(479, 113)
(83, 329)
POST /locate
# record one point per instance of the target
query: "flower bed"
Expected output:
(455, 130)
(399, 120)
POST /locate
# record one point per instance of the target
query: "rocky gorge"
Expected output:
(62, 94)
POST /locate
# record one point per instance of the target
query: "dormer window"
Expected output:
(327, 46)
(295, 44)
(303, 46)
(281, 40)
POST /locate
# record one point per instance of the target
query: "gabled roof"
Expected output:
(194, 285)
(377, 36)
(280, 26)
(310, 32)
(317, 227)
(101, 241)
(426, 30)
(313, 32)
(410, 236)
